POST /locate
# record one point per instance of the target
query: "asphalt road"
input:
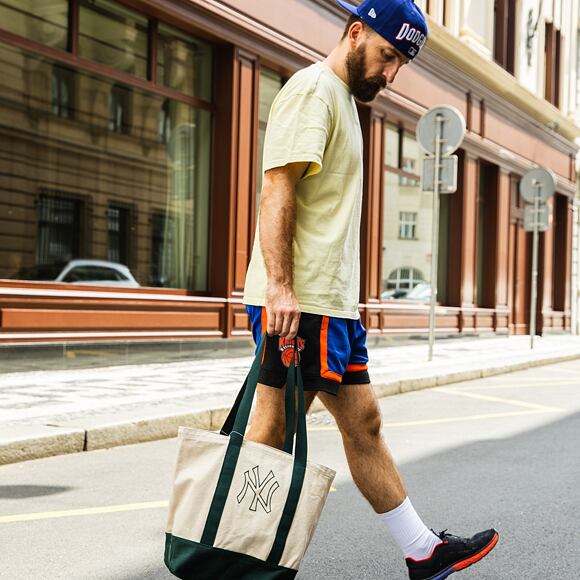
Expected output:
(500, 452)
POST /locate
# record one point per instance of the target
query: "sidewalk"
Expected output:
(44, 413)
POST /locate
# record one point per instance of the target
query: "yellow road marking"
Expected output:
(499, 400)
(447, 420)
(90, 511)
(564, 383)
(566, 371)
(83, 512)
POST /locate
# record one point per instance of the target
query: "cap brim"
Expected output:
(347, 6)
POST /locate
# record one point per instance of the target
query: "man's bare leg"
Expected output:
(268, 422)
(373, 469)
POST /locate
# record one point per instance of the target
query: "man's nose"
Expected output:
(391, 72)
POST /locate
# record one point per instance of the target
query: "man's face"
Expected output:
(372, 64)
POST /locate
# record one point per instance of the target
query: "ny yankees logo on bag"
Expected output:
(257, 487)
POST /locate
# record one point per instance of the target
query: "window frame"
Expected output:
(69, 58)
(407, 223)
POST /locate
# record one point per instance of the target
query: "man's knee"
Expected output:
(364, 427)
(268, 433)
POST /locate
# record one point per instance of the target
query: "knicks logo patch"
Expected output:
(286, 347)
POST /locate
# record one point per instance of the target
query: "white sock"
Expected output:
(408, 530)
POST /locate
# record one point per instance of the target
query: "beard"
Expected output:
(363, 89)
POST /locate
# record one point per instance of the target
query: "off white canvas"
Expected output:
(256, 500)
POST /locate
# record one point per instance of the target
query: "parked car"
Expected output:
(93, 272)
(421, 293)
(394, 294)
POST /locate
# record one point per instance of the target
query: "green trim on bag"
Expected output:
(232, 452)
(294, 386)
(289, 402)
(298, 472)
(190, 560)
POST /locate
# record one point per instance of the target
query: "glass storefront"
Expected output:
(184, 64)
(44, 21)
(407, 223)
(407, 218)
(112, 35)
(99, 170)
(270, 84)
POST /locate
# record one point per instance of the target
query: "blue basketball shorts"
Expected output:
(331, 352)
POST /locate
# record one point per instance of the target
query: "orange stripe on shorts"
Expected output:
(356, 368)
(264, 323)
(324, 371)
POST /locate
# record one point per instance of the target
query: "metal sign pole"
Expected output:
(435, 241)
(536, 234)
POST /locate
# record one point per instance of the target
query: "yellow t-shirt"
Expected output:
(314, 119)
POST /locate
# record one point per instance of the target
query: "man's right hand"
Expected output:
(282, 310)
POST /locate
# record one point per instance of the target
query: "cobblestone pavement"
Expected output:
(39, 396)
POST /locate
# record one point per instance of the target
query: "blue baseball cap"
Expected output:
(400, 22)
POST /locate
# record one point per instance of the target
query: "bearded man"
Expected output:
(303, 279)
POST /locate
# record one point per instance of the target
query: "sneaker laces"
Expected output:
(443, 535)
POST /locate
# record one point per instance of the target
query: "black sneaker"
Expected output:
(453, 554)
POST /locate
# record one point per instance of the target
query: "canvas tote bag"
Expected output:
(241, 510)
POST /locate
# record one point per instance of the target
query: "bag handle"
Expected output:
(244, 403)
(289, 407)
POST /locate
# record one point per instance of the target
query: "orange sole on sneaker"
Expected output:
(469, 561)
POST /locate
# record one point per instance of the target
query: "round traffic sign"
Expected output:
(452, 129)
(539, 183)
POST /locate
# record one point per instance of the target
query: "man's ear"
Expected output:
(355, 34)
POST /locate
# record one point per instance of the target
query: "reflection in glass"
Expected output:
(408, 224)
(270, 85)
(113, 35)
(67, 181)
(44, 21)
(63, 92)
(184, 63)
(407, 218)
(392, 146)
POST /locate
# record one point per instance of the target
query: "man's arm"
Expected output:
(277, 231)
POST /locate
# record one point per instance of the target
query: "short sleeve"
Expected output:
(297, 132)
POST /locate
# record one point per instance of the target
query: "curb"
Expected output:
(42, 441)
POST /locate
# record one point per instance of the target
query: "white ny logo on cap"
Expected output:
(372, 13)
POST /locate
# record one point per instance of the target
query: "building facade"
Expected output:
(132, 131)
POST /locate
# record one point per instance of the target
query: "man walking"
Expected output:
(303, 279)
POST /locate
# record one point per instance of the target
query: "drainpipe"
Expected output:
(575, 283)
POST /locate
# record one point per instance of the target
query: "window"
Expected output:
(157, 243)
(505, 33)
(119, 103)
(184, 63)
(59, 229)
(561, 256)
(118, 234)
(44, 21)
(408, 218)
(553, 51)
(162, 164)
(404, 279)
(486, 234)
(113, 35)
(63, 92)
(165, 122)
(407, 225)
(270, 84)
